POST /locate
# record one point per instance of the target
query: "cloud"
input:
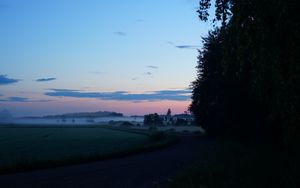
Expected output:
(45, 79)
(172, 95)
(151, 72)
(14, 99)
(120, 33)
(192, 47)
(135, 78)
(171, 43)
(139, 20)
(188, 47)
(173, 92)
(63, 90)
(152, 67)
(4, 80)
(21, 99)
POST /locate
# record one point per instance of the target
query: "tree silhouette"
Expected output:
(249, 71)
(152, 120)
(206, 97)
(169, 112)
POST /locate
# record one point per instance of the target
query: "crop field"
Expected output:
(19, 145)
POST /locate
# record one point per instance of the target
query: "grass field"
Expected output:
(29, 145)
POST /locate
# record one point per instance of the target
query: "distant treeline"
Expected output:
(248, 83)
(86, 115)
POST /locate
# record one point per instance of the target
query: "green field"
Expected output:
(28, 145)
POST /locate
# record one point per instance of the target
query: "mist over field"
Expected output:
(74, 121)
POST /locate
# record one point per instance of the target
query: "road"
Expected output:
(151, 169)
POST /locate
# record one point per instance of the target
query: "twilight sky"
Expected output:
(129, 56)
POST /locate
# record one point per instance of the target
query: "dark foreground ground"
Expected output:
(152, 169)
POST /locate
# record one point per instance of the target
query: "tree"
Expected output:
(169, 112)
(253, 83)
(206, 95)
(152, 120)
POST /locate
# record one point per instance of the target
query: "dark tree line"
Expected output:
(152, 120)
(248, 83)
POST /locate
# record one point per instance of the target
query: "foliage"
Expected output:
(152, 120)
(249, 72)
(169, 112)
(206, 98)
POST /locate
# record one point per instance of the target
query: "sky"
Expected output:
(129, 56)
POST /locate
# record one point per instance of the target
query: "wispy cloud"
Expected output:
(63, 90)
(120, 33)
(4, 80)
(139, 20)
(152, 67)
(21, 99)
(172, 95)
(188, 47)
(191, 47)
(171, 43)
(14, 99)
(45, 79)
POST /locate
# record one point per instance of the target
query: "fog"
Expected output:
(72, 121)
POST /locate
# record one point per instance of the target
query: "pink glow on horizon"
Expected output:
(69, 105)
